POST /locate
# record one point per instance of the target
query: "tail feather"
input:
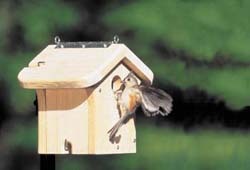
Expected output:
(117, 126)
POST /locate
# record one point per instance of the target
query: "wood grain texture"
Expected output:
(79, 67)
(107, 114)
(42, 127)
(64, 117)
(91, 122)
(83, 117)
(76, 100)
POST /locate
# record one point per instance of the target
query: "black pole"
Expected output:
(47, 162)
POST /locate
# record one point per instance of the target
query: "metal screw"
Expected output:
(57, 40)
(40, 63)
(116, 39)
(66, 145)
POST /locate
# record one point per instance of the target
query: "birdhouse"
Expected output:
(75, 85)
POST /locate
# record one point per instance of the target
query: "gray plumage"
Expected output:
(155, 101)
(117, 126)
(152, 100)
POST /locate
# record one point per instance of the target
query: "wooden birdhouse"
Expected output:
(75, 84)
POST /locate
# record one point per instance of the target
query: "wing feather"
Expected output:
(155, 101)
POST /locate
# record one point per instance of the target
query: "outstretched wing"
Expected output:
(155, 101)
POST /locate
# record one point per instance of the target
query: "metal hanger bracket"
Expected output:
(85, 44)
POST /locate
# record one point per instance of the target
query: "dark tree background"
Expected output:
(197, 49)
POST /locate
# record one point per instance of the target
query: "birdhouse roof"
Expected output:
(79, 67)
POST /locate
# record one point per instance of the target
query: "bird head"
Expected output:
(130, 80)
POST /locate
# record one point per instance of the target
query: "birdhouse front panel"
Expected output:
(77, 105)
(77, 121)
(107, 114)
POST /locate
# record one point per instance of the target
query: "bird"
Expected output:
(131, 95)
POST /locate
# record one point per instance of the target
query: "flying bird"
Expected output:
(153, 101)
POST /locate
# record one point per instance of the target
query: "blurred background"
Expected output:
(197, 49)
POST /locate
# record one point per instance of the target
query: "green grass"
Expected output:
(172, 149)
(157, 148)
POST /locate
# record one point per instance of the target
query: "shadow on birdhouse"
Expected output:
(75, 85)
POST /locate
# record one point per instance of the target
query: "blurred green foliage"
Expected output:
(37, 22)
(41, 18)
(172, 149)
(20, 99)
(187, 43)
(198, 29)
(157, 148)
(201, 27)
(22, 135)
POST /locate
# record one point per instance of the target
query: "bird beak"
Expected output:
(123, 82)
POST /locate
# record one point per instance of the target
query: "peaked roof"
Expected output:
(79, 67)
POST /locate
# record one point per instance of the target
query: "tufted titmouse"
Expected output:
(152, 100)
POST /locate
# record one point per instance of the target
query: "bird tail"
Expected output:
(112, 132)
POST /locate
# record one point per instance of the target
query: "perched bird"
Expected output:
(152, 100)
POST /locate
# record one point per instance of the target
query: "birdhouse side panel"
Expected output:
(63, 121)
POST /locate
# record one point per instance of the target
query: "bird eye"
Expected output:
(128, 79)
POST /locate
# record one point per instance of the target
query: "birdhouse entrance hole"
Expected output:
(116, 83)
